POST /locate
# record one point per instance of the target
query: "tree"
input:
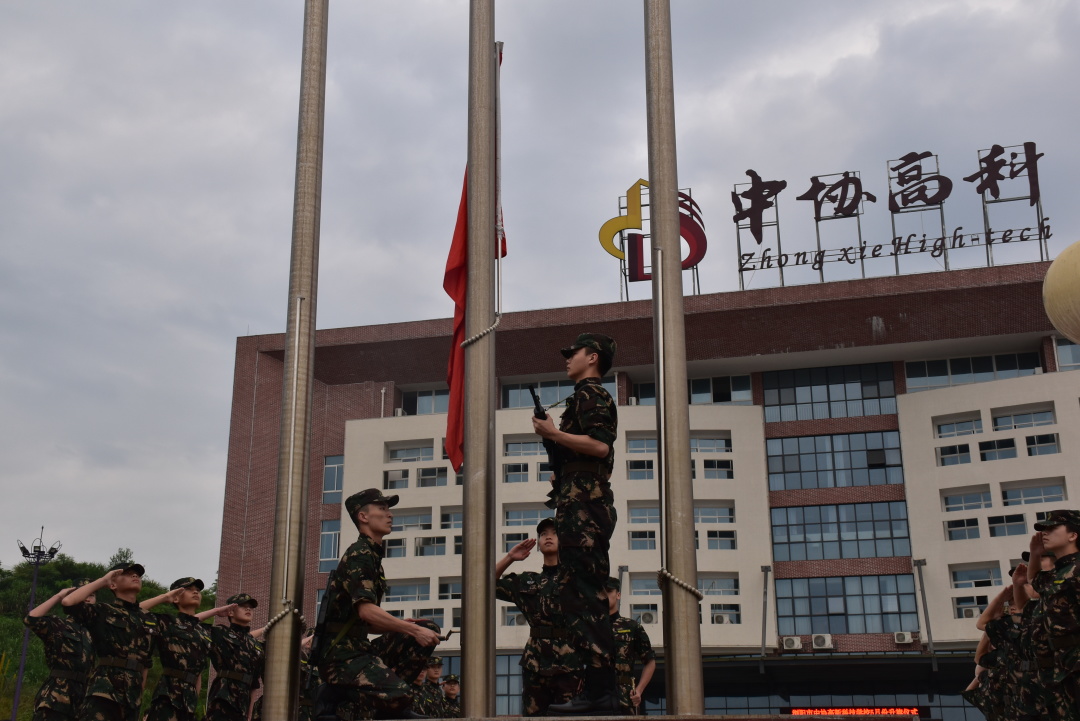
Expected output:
(122, 555)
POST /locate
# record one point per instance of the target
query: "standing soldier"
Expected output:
(632, 646)
(422, 700)
(368, 674)
(123, 635)
(433, 688)
(550, 666)
(1037, 657)
(1059, 591)
(585, 516)
(69, 653)
(237, 656)
(452, 697)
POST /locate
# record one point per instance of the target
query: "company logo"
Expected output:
(691, 229)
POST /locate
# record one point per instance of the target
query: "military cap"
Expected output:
(1057, 518)
(241, 599)
(452, 678)
(602, 344)
(129, 566)
(372, 495)
(545, 523)
(79, 583)
(613, 584)
(187, 581)
(434, 661)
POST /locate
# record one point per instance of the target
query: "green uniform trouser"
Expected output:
(96, 708)
(584, 529)
(539, 691)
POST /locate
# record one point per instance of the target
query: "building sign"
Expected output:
(907, 711)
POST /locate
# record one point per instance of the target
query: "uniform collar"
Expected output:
(1065, 560)
(593, 380)
(240, 629)
(377, 547)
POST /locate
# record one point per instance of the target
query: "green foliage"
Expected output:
(122, 555)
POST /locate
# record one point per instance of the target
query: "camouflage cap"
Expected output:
(187, 581)
(371, 495)
(544, 524)
(602, 344)
(80, 582)
(1057, 518)
(241, 599)
(452, 678)
(129, 566)
(613, 584)
(434, 661)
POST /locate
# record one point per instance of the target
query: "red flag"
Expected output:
(455, 283)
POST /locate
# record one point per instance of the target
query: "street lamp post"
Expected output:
(37, 556)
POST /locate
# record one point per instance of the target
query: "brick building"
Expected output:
(839, 432)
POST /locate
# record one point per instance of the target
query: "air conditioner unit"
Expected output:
(720, 618)
(648, 617)
(518, 619)
(791, 643)
(902, 637)
(632, 401)
(823, 641)
(971, 613)
(399, 412)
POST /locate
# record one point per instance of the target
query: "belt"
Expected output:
(548, 632)
(625, 678)
(596, 467)
(128, 664)
(185, 676)
(246, 678)
(355, 630)
(69, 675)
(1063, 642)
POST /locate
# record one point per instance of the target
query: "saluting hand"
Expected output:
(521, 551)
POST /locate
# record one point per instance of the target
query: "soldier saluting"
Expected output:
(69, 653)
(237, 655)
(1059, 596)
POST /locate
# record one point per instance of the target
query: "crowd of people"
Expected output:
(1028, 660)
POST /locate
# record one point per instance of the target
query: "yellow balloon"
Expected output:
(1061, 292)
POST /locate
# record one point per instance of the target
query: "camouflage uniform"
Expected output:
(631, 645)
(451, 707)
(987, 695)
(1000, 688)
(69, 653)
(550, 666)
(585, 519)
(424, 700)
(1059, 591)
(238, 662)
(183, 645)
(368, 673)
(1036, 665)
(123, 637)
(309, 681)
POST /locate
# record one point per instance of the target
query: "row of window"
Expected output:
(855, 530)
(1011, 495)
(1002, 448)
(927, 375)
(850, 604)
(1015, 524)
(855, 459)
(833, 392)
(1002, 422)
(734, 390)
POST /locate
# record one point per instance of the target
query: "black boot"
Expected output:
(600, 696)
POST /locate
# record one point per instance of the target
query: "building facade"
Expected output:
(855, 446)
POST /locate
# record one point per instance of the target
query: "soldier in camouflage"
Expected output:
(551, 667)
(583, 456)
(424, 702)
(451, 697)
(1059, 591)
(367, 675)
(237, 655)
(632, 646)
(69, 653)
(123, 635)
(433, 687)
(1036, 665)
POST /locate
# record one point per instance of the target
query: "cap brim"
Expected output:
(199, 584)
(251, 602)
(137, 568)
(567, 352)
(391, 501)
(1046, 526)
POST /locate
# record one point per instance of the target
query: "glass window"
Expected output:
(515, 473)
(959, 428)
(1068, 354)
(1050, 493)
(513, 617)
(644, 613)
(408, 591)
(718, 585)
(641, 445)
(970, 606)
(1023, 420)
(329, 539)
(431, 546)
(1013, 525)
(997, 450)
(953, 455)
(725, 613)
(718, 469)
(430, 477)
(966, 501)
(435, 615)
(408, 455)
(642, 540)
(450, 519)
(832, 392)
(420, 403)
(394, 547)
(710, 445)
(928, 375)
(855, 530)
(393, 480)
(412, 521)
(976, 577)
(1043, 445)
(714, 514)
(525, 448)
(962, 529)
(333, 473)
(720, 540)
(526, 516)
(644, 515)
(449, 589)
(516, 395)
(856, 459)
(512, 539)
(639, 470)
(543, 472)
(644, 586)
(457, 545)
(851, 604)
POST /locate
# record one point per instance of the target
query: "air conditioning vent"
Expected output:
(632, 401)
(720, 618)
(399, 412)
(970, 612)
(823, 641)
(648, 617)
(791, 643)
(519, 619)
(902, 637)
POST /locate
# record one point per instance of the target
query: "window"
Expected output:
(413, 520)
(642, 540)
(834, 392)
(543, 472)
(516, 395)
(953, 455)
(641, 445)
(970, 606)
(976, 577)
(854, 530)
(966, 501)
(639, 470)
(717, 469)
(853, 604)
(644, 515)
(431, 546)
(395, 612)
(856, 459)
(725, 613)
(714, 514)
(644, 613)
(329, 538)
(408, 591)
(524, 448)
(512, 539)
(1013, 525)
(450, 519)
(718, 585)
(333, 471)
(1043, 445)
(962, 529)
(394, 547)
(726, 389)
(710, 445)
(1049, 493)
(1068, 354)
(421, 403)
(526, 516)
(1023, 420)
(645, 393)
(455, 618)
(435, 615)
(927, 375)
(459, 477)
(512, 617)
(644, 586)
(449, 590)
(997, 450)
(393, 480)
(457, 545)
(721, 540)
(959, 428)
(515, 473)
(319, 596)
(430, 477)
(410, 454)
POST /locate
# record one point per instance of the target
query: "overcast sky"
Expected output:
(146, 177)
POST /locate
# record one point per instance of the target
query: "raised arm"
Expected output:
(81, 594)
(518, 553)
(49, 604)
(169, 596)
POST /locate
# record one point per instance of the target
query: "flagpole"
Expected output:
(682, 629)
(478, 562)
(282, 672)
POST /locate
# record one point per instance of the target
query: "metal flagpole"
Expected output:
(282, 674)
(478, 561)
(682, 629)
